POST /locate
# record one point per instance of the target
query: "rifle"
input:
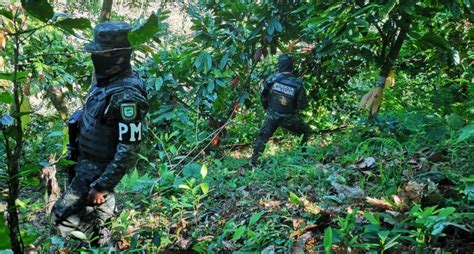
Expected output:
(72, 147)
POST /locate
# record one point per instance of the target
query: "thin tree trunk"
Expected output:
(13, 157)
(106, 11)
(394, 52)
(388, 63)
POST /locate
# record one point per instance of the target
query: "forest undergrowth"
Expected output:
(374, 196)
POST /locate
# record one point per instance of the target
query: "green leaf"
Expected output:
(29, 169)
(145, 32)
(79, 235)
(69, 24)
(192, 170)
(4, 234)
(6, 97)
(156, 238)
(158, 83)
(294, 199)
(25, 110)
(208, 62)
(393, 242)
(278, 26)
(9, 76)
(65, 163)
(255, 217)
(203, 171)
(327, 243)
(204, 188)
(447, 211)
(224, 61)
(6, 13)
(184, 186)
(431, 39)
(39, 9)
(466, 133)
(371, 218)
(238, 233)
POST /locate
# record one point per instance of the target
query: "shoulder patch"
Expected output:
(128, 111)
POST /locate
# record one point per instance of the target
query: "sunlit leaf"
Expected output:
(148, 49)
(327, 243)
(184, 186)
(456, 57)
(39, 9)
(203, 171)
(390, 80)
(79, 235)
(371, 218)
(255, 217)
(294, 199)
(3, 42)
(145, 32)
(25, 111)
(204, 188)
(238, 233)
(466, 133)
(69, 24)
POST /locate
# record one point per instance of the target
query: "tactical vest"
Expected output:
(98, 136)
(283, 95)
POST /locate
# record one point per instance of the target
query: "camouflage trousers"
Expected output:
(272, 122)
(72, 212)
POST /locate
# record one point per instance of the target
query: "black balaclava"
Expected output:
(285, 63)
(110, 66)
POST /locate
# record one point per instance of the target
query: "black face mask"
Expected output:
(109, 66)
(285, 64)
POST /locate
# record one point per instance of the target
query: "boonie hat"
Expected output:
(109, 36)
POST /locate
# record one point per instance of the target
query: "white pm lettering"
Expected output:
(135, 129)
(123, 129)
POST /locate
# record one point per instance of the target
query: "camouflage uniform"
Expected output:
(282, 95)
(110, 130)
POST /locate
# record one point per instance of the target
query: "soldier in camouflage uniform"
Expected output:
(282, 96)
(110, 130)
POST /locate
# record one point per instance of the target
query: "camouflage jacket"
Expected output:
(112, 126)
(283, 93)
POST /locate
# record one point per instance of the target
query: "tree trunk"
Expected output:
(106, 11)
(394, 51)
(13, 158)
(387, 65)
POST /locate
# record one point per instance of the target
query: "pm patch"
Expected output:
(128, 111)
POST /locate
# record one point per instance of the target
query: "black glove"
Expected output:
(71, 155)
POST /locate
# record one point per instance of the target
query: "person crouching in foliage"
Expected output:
(282, 96)
(109, 133)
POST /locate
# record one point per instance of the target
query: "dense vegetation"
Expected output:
(381, 177)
